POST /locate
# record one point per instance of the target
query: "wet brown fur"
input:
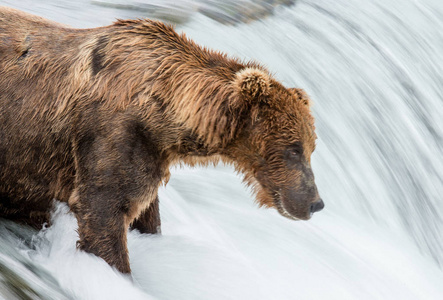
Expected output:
(95, 118)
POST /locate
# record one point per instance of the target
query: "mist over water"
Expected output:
(374, 72)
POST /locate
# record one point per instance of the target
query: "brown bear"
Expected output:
(96, 117)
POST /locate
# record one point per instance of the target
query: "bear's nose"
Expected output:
(317, 206)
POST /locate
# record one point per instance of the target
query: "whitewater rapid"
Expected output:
(374, 72)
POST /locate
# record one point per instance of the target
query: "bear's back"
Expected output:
(21, 31)
(13, 20)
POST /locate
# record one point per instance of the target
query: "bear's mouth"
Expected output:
(280, 208)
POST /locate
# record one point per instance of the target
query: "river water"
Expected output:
(374, 70)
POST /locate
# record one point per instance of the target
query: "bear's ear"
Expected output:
(301, 95)
(253, 84)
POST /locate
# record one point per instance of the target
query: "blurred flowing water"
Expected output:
(374, 70)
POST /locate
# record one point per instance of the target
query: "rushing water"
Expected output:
(374, 70)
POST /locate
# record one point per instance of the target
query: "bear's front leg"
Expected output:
(149, 220)
(118, 171)
(102, 226)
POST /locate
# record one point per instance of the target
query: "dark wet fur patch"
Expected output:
(97, 55)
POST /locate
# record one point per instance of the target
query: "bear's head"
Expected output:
(274, 145)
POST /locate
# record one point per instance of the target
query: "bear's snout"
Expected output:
(300, 203)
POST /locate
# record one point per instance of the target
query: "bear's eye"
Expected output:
(293, 154)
